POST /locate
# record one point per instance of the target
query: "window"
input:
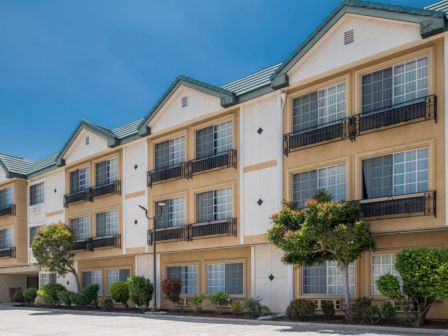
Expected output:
(106, 172)
(214, 140)
(33, 232)
(6, 238)
(80, 227)
(319, 107)
(395, 85)
(79, 180)
(326, 278)
(382, 264)
(116, 275)
(170, 153)
(37, 192)
(47, 278)
(227, 278)
(305, 185)
(173, 214)
(94, 277)
(396, 174)
(188, 275)
(106, 223)
(214, 205)
(6, 198)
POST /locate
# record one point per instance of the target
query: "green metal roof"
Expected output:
(43, 163)
(252, 82)
(441, 6)
(15, 166)
(127, 130)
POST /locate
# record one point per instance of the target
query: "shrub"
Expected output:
(328, 308)
(107, 303)
(29, 295)
(364, 311)
(196, 301)
(66, 297)
(424, 273)
(218, 299)
(120, 292)
(18, 297)
(300, 308)
(172, 288)
(86, 296)
(387, 310)
(254, 307)
(49, 293)
(140, 291)
(236, 307)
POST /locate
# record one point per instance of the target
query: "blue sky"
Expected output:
(108, 61)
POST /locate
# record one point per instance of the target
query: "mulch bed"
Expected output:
(430, 324)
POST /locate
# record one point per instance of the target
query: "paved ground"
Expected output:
(20, 322)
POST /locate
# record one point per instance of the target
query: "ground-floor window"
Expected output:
(326, 278)
(227, 278)
(188, 275)
(382, 264)
(116, 275)
(93, 277)
(47, 278)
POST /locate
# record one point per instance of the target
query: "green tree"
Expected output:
(322, 231)
(53, 249)
(424, 274)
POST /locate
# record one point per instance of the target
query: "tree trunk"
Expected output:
(75, 274)
(344, 269)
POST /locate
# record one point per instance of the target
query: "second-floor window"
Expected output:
(395, 174)
(214, 205)
(37, 192)
(395, 85)
(169, 153)
(214, 140)
(173, 214)
(6, 198)
(106, 172)
(107, 223)
(79, 180)
(319, 107)
(6, 238)
(33, 232)
(305, 185)
(80, 227)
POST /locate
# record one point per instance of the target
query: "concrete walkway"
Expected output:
(15, 321)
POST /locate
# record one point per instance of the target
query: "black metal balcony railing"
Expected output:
(168, 173)
(349, 128)
(404, 205)
(9, 252)
(8, 211)
(112, 241)
(223, 160)
(80, 196)
(113, 188)
(412, 111)
(199, 230)
(186, 170)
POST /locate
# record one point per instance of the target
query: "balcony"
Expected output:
(190, 168)
(419, 204)
(190, 232)
(80, 196)
(113, 188)
(165, 174)
(112, 241)
(417, 110)
(334, 131)
(9, 252)
(223, 160)
(8, 211)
